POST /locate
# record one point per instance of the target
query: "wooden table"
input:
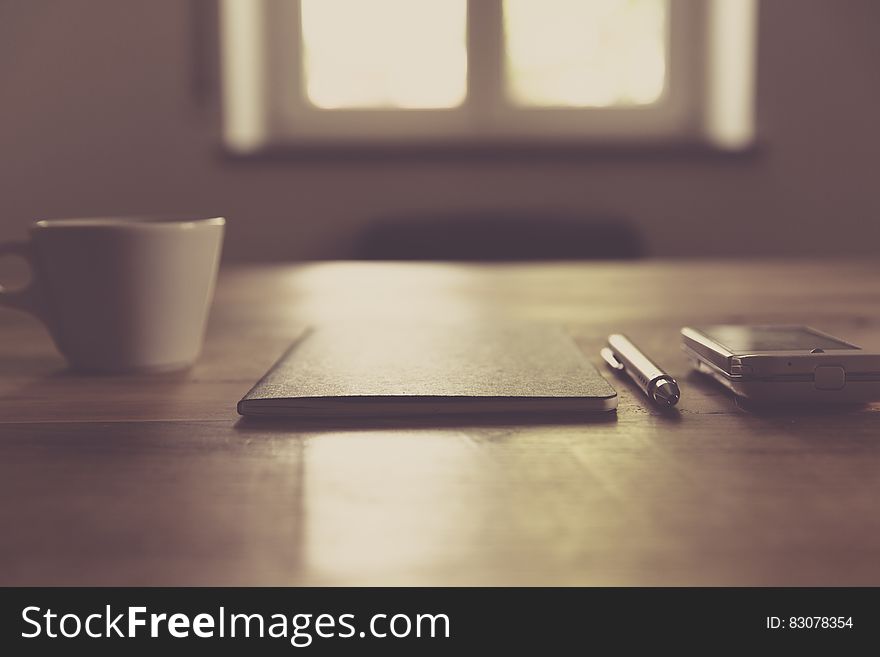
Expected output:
(155, 481)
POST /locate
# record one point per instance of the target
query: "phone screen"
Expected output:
(752, 339)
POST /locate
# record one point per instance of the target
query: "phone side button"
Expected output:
(829, 377)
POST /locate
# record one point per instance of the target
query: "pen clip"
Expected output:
(609, 357)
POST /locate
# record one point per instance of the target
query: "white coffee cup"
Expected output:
(121, 294)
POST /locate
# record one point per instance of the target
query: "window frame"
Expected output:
(261, 43)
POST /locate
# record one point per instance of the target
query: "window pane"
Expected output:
(585, 53)
(385, 53)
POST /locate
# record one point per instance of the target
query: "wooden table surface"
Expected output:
(154, 480)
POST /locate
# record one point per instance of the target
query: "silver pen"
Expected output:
(623, 356)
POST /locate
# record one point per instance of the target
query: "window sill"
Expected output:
(492, 150)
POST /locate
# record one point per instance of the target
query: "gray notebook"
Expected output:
(403, 370)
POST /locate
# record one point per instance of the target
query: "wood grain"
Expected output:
(155, 480)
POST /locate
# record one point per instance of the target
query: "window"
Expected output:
(398, 54)
(380, 71)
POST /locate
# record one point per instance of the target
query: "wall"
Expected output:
(99, 116)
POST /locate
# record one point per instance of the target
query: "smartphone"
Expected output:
(784, 363)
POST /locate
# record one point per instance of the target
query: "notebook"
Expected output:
(418, 370)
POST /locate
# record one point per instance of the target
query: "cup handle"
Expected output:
(25, 299)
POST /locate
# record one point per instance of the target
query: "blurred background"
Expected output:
(332, 129)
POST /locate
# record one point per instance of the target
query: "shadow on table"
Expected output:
(823, 426)
(250, 423)
(759, 409)
(62, 394)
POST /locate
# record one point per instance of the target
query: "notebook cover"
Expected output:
(371, 371)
